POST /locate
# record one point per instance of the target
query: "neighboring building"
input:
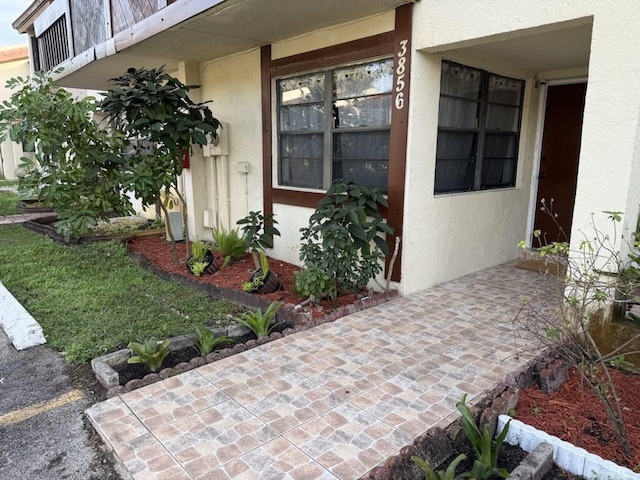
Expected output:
(466, 112)
(14, 62)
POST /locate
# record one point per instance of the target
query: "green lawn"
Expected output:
(91, 298)
(8, 202)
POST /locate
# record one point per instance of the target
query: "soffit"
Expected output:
(231, 26)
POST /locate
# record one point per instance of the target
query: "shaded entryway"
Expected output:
(558, 173)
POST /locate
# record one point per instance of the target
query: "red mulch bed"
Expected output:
(574, 414)
(158, 251)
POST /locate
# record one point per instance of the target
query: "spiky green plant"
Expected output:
(206, 342)
(260, 323)
(152, 353)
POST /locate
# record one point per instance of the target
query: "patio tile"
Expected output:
(276, 460)
(165, 402)
(288, 402)
(348, 441)
(145, 458)
(330, 402)
(115, 421)
(213, 437)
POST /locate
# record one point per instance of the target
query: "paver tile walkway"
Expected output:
(330, 402)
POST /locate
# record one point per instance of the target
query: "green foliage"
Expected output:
(207, 342)
(260, 323)
(152, 353)
(8, 201)
(259, 276)
(91, 298)
(198, 250)
(258, 230)
(198, 268)
(345, 236)
(151, 106)
(312, 282)
(486, 450)
(75, 168)
(448, 474)
(229, 243)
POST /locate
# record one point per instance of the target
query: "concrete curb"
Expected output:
(21, 328)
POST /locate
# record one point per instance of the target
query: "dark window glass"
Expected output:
(478, 129)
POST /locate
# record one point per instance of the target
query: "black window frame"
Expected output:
(474, 177)
(331, 129)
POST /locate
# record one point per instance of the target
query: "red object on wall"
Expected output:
(185, 160)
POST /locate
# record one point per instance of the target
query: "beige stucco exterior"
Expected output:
(445, 236)
(14, 62)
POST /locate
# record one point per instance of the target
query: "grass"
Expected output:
(91, 299)
(8, 202)
(8, 183)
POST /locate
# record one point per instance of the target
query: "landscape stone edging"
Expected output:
(438, 444)
(567, 456)
(109, 378)
(253, 301)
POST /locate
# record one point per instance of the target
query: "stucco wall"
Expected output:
(449, 235)
(608, 166)
(11, 151)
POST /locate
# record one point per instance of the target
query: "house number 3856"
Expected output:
(400, 73)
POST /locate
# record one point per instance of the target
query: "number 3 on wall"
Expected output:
(400, 73)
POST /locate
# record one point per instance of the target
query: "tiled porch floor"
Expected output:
(330, 402)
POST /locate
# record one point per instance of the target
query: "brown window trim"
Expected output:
(396, 43)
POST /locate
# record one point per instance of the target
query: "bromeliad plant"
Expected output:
(152, 353)
(346, 237)
(485, 449)
(258, 231)
(261, 324)
(206, 342)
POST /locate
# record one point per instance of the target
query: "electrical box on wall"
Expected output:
(218, 144)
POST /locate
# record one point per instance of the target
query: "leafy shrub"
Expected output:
(260, 323)
(258, 230)
(312, 282)
(345, 236)
(206, 342)
(151, 353)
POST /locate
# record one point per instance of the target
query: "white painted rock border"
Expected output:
(567, 456)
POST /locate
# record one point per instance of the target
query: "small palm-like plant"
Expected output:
(260, 323)
(152, 353)
(206, 342)
(230, 244)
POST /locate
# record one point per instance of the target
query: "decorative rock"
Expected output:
(133, 384)
(275, 335)
(151, 378)
(553, 376)
(250, 343)
(197, 362)
(212, 357)
(182, 367)
(115, 391)
(167, 372)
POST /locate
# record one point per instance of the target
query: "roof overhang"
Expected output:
(202, 30)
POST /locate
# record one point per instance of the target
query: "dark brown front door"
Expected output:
(559, 161)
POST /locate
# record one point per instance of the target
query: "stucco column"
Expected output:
(193, 179)
(609, 169)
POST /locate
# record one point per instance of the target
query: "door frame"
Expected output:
(542, 108)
